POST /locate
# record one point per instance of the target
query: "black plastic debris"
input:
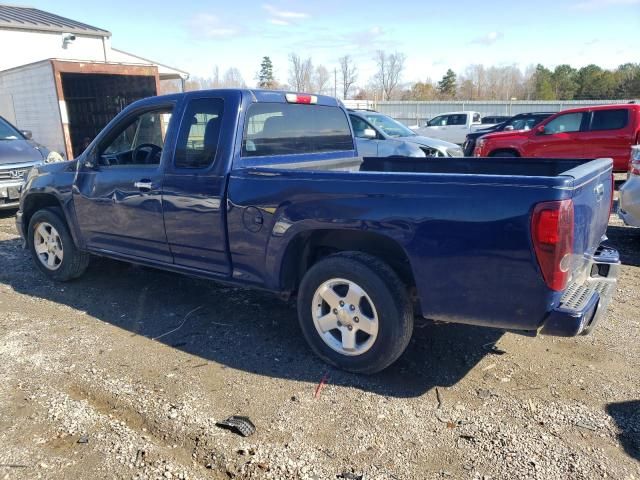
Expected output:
(238, 424)
(350, 476)
(83, 439)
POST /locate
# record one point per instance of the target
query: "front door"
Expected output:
(562, 137)
(195, 182)
(367, 144)
(118, 199)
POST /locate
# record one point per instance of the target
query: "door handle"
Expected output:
(143, 185)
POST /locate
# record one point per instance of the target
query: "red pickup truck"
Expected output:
(606, 131)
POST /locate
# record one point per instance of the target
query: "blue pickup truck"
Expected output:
(265, 189)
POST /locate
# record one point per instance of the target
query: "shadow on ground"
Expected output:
(242, 329)
(627, 417)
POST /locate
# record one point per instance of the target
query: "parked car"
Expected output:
(522, 121)
(606, 131)
(629, 193)
(18, 153)
(451, 127)
(266, 190)
(379, 135)
(494, 119)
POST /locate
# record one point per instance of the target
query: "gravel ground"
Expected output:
(98, 381)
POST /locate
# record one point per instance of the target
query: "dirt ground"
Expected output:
(124, 373)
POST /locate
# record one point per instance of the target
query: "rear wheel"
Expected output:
(52, 247)
(354, 312)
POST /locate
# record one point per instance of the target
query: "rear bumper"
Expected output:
(585, 302)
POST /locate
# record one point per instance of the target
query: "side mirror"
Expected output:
(540, 130)
(508, 128)
(89, 161)
(369, 133)
(28, 134)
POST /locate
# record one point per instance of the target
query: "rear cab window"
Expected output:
(274, 129)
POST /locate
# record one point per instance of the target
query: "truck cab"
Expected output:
(452, 126)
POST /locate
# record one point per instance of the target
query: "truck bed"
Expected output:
(464, 223)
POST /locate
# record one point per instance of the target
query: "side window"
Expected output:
(440, 121)
(609, 119)
(359, 126)
(289, 129)
(199, 133)
(139, 143)
(569, 122)
(460, 119)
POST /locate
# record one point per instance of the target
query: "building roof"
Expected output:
(27, 18)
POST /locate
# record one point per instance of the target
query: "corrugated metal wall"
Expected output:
(34, 102)
(411, 113)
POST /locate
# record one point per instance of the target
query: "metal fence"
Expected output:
(417, 113)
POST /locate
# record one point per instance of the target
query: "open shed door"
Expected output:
(92, 94)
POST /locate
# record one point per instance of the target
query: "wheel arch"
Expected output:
(39, 200)
(307, 247)
(497, 151)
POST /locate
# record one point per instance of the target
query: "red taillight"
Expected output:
(552, 232)
(299, 98)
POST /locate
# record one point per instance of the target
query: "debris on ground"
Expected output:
(239, 424)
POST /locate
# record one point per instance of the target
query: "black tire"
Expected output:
(504, 154)
(74, 262)
(387, 293)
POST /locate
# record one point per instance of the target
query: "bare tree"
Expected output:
(300, 73)
(390, 67)
(349, 74)
(233, 78)
(321, 79)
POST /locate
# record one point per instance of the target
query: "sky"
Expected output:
(197, 35)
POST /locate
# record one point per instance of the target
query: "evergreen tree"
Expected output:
(564, 82)
(543, 84)
(447, 86)
(265, 76)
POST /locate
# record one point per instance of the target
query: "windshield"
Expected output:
(388, 125)
(7, 132)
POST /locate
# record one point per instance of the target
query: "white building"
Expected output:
(62, 80)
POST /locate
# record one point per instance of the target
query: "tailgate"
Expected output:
(593, 188)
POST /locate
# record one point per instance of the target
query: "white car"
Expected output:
(452, 126)
(629, 200)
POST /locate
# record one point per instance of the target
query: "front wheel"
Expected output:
(52, 247)
(355, 312)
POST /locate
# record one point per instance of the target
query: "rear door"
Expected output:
(457, 128)
(610, 136)
(563, 137)
(194, 183)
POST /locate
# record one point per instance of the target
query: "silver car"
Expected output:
(378, 135)
(629, 203)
